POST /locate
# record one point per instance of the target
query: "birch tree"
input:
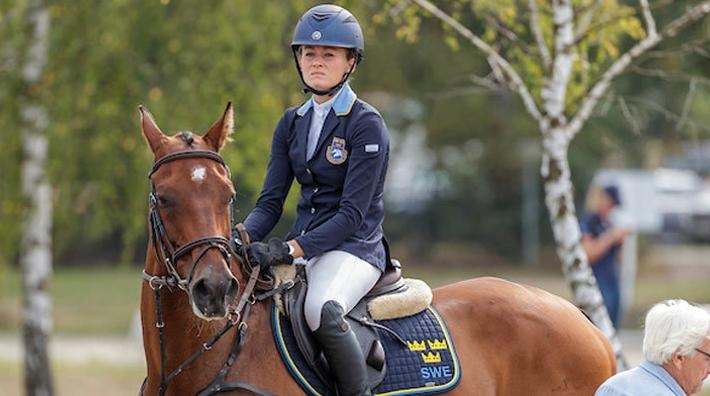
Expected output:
(560, 58)
(35, 255)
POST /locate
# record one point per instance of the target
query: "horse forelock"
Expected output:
(187, 137)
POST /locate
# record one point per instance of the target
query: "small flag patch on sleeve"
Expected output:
(372, 148)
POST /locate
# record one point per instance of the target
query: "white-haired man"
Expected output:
(676, 348)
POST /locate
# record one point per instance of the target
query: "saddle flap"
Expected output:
(293, 305)
(358, 318)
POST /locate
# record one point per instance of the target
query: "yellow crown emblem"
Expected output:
(436, 344)
(431, 357)
(416, 345)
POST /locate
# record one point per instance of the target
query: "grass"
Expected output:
(84, 301)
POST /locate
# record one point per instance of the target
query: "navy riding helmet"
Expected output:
(328, 25)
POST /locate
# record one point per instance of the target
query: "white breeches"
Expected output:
(338, 276)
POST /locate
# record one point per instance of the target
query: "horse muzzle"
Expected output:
(211, 294)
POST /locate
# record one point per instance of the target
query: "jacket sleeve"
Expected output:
(279, 177)
(364, 173)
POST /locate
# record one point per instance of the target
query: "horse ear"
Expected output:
(152, 133)
(220, 132)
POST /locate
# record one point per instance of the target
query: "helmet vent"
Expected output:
(322, 16)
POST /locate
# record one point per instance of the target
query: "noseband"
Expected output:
(162, 244)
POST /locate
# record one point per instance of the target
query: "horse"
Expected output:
(204, 334)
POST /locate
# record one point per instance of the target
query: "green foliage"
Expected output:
(11, 57)
(185, 60)
(505, 24)
(471, 132)
(182, 60)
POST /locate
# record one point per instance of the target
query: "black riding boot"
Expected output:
(342, 351)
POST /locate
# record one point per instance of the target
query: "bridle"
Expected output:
(166, 252)
(164, 248)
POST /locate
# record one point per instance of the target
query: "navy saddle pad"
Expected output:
(426, 365)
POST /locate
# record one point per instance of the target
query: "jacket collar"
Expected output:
(659, 372)
(342, 105)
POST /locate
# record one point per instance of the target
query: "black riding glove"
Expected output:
(267, 255)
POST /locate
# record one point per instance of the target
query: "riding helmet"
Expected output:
(329, 25)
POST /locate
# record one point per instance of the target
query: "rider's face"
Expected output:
(324, 67)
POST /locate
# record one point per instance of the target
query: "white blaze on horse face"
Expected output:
(199, 173)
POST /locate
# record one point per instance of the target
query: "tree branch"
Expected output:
(626, 112)
(494, 59)
(648, 17)
(691, 16)
(671, 77)
(586, 20)
(537, 33)
(694, 47)
(667, 114)
(598, 25)
(686, 106)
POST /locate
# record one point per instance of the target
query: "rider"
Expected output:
(337, 147)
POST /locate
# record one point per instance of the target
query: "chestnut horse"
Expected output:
(511, 339)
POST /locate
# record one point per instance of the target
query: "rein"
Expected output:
(164, 248)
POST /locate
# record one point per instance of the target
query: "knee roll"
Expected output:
(333, 314)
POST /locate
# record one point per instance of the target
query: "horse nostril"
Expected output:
(200, 290)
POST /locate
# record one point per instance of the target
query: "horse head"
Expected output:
(190, 215)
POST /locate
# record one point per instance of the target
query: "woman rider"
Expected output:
(337, 148)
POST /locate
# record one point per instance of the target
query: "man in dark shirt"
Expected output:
(602, 243)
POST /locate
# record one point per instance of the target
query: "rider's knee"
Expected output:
(333, 314)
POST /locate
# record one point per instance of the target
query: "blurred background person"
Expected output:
(602, 242)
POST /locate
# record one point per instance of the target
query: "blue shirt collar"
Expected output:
(342, 103)
(659, 372)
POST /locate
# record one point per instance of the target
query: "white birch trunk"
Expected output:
(559, 201)
(557, 180)
(35, 254)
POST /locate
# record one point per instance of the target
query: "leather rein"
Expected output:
(166, 252)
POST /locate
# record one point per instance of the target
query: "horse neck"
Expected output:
(258, 364)
(183, 334)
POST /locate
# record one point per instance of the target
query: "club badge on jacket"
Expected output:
(336, 152)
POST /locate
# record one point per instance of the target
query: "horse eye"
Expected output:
(163, 201)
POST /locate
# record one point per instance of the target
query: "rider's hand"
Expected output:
(267, 255)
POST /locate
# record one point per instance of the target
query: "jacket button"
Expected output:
(315, 190)
(313, 210)
(308, 170)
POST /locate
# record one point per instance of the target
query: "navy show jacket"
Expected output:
(342, 185)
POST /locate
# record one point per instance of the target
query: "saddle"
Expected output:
(407, 347)
(359, 318)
